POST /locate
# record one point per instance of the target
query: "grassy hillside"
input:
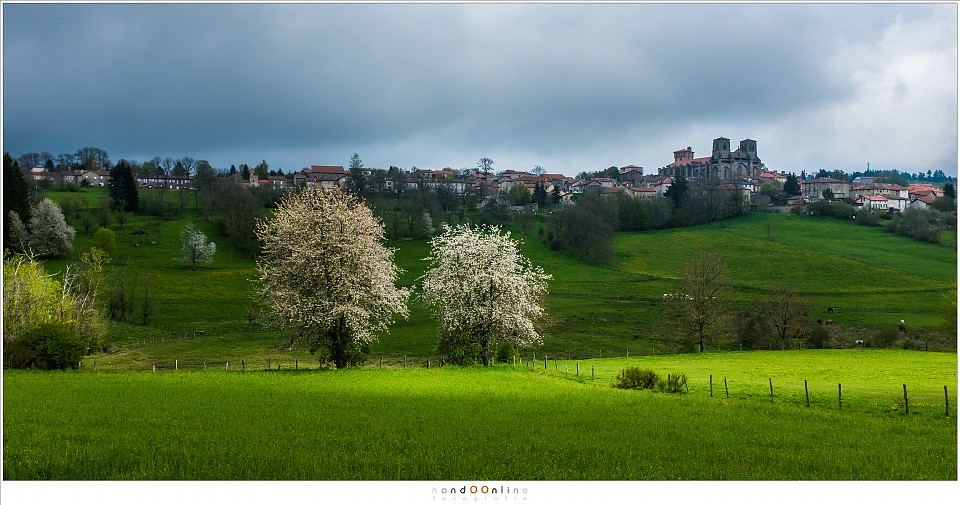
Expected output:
(872, 279)
(441, 424)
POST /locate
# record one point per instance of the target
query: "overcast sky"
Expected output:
(568, 87)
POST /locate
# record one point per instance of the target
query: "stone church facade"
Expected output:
(723, 164)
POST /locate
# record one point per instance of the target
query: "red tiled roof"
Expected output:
(325, 169)
(643, 190)
(695, 161)
(824, 179)
(603, 179)
(875, 198)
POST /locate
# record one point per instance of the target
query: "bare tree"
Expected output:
(698, 312)
(786, 314)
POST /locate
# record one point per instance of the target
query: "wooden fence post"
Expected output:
(154, 367)
(226, 367)
(428, 364)
(544, 361)
(946, 402)
(839, 397)
(404, 361)
(296, 364)
(243, 365)
(204, 366)
(771, 387)
(269, 363)
(711, 385)
(578, 369)
(807, 391)
(381, 362)
(176, 364)
(593, 371)
(906, 401)
(725, 388)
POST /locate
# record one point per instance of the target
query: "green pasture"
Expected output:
(872, 280)
(502, 423)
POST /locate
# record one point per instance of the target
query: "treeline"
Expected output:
(924, 224)
(585, 230)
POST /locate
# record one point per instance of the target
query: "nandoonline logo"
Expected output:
(479, 493)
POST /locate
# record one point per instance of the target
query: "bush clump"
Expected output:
(636, 378)
(48, 346)
(675, 383)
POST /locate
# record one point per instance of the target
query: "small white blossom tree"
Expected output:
(326, 274)
(195, 248)
(49, 233)
(482, 290)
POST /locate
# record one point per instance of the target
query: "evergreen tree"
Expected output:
(792, 186)
(678, 190)
(245, 171)
(122, 188)
(233, 169)
(357, 178)
(16, 195)
(262, 170)
(555, 194)
(539, 194)
(949, 190)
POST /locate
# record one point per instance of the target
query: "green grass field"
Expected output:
(487, 424)
(507, 422)
(872, 279)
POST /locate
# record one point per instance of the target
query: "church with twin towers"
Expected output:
(723, 164)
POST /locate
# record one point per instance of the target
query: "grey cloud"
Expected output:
(568, 86)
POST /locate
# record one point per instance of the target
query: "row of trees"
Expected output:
(585, 230)
(326, 277)
(702, 312)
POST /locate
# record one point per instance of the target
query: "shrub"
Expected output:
(49, 346)
(106, 240)
(675, 383)
(884, 338)
(868, 218)
(505, 352)
(796, 209)
(818, 337)
(636, 378)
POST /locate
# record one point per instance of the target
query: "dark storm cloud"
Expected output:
(570, 87)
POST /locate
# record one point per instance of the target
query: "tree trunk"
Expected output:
(338, 345)
(486, 352)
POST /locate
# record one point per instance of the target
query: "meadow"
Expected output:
(501, 423)
(117, 418)
(872, 280)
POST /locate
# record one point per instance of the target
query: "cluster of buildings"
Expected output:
(867, 194)
(739, 169)
(99, 178)
(735, 170)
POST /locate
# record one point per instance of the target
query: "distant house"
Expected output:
(325, 175)
(921, 202)
(871, 202)
(814, 188)
(279, 182)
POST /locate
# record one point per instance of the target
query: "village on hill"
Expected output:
(736, 171)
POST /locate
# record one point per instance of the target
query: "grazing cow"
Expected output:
(859, 343)
(830, 310)
(903, 327)
(830, 322)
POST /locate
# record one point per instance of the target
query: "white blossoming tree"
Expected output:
(195, 248)
(326, 274)
(482, 290)
(49, 233)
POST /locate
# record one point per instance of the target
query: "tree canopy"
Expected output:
(482, 290)
(326, 275)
